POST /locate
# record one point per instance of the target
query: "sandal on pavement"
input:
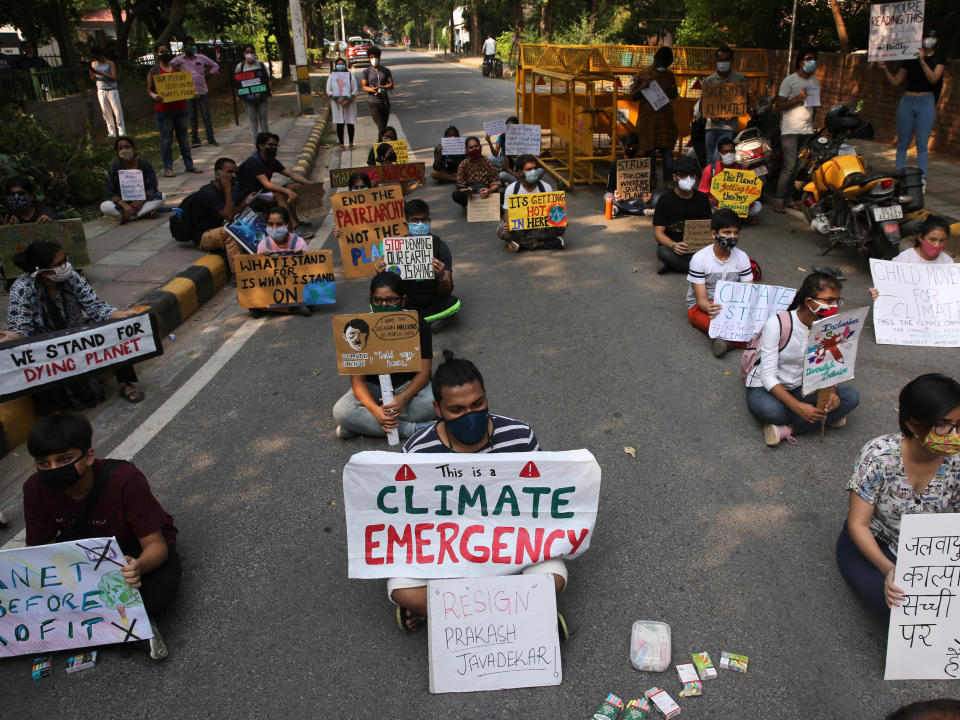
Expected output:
(168, 173)
(404, 616)
(129, 393)
(194, 170)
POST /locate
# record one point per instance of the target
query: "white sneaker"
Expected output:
(513, 247)
(158, 648)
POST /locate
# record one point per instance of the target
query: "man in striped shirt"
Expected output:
(465, 425)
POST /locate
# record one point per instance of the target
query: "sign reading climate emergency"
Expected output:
(537, 210)
(37, 362)
(450, 515)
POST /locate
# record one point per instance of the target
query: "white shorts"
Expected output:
(553, 566)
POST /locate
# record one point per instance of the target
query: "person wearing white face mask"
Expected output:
(673, 209)
(342, 91)
(52, 296)
(376, 81)
(796, 123)
(726, 160)
(538, 238)
(718, 127)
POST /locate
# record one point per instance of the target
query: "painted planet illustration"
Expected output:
(557, 214)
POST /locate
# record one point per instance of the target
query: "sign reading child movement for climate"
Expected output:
(896, 31)
(363, 219)
(831, 351)
(377, 343)
(531, 211)
(745, 308)
(67, 595)
(919, 303)
(451, 515)
(283, 280)
(39, 361)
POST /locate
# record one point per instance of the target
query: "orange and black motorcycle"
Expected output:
(842, 200)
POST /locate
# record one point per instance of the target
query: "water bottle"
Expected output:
(608, 206)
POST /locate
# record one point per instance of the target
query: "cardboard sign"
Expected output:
(453, 146)
(67, 595)
(813, 97)
(379, 174)
(453, 516)
(67, 233)
(896, 31)
(922, 640)
(175, 86)
(655, 95)
(410, 257)
(483, 209)
(919, 303)
(248, 229)
(746, 307)
(537, 210)
(522, 139)
(697, 234)
(493, 633)
(724, 100)
(41, 361)
(377, 343)
(310, 198)
(283, 280)
(399, 147)
(495, 128)
(736, 189)
(633, 177)
(251, 84)
(131, 185)
(831, 353)
(364, 218)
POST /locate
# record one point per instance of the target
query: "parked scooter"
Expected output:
(845, 203)
(757, 143)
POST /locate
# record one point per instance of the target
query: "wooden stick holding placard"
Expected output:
(697, 234)
(823, 397)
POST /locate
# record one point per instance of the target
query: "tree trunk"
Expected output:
(594, 13)
(546, 21)
(70, 60)
(433, 33)
(175, 22)
(841, 27)
(281, 29)
(475, 38)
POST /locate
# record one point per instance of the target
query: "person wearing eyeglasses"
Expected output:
(774, 383)
(916, 470)
(49, 296)
(360, 411)
(22, 206)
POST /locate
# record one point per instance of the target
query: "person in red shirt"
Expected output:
(171, 117)
(726, 160)
(73, 495)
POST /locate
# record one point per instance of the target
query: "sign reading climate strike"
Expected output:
(450, 515)
(537, 210)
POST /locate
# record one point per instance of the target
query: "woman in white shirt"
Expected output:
(774, 391)
(342, 91)
(927, 248)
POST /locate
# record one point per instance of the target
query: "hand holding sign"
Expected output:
(655, 95)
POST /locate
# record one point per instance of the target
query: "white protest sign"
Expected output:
(655, 95)
(494, 128)
(68, 595)
(410, 257)
(919, 303)
(493, 633)
(923, 641)
(896, 31)
(131, 185)
(813, 97)
(451, 515)
(746, 308)
(40, 361)
(453, 146)
(523, 139)
(831, 352)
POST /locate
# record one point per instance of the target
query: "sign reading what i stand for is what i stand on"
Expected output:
(284, 280)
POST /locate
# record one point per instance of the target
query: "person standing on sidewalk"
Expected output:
(342, 91)
(198, 67)
(718, 127)
(104, 73)
(657, 129)
(171, 117)
(918, 105)
(489, 48)
(796, 123)
(376, 81)
(256, 108)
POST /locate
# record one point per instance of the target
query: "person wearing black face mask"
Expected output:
(465, 425)
(722, 260)
(774, 383)
(172, 117)
(22, 206)
(74, 496)
(642, 205)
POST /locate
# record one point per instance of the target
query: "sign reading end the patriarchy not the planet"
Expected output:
(449, 515)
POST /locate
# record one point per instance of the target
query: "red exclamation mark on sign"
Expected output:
(404, 474)
(530, 471)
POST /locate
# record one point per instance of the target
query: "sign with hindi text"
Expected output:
(523, 139)
(410, 257)
(377, 343)
(831, 352)
(67, 595)
(453, 516)
(68, 234)
(175, 86)
(378, 174)
(919, 303)
(282, 280)
(745, 308)
(724, 99)
(530, 211)
(633, 178)
(736, 189)
(131, 185)
(363, 218)
(896, 31)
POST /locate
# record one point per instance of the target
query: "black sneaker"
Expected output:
(303, 310)
(257, 312)
(196, 143)
(213, 143)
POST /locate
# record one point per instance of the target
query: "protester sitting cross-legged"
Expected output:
(726, 160)
(643, 205)
(49, 296)
(205, 212)
(445, 166)
(74, 496)
(22, 205)
(683, 203)
(465, 425)
(281, 240)
(432, 298)
(914, 471)
(548, 238)
(127, 210)
(386, 134)
(722, 260)
(476, 175)
(498, 152)
(386, 155)
(774, 393)
(360, 410)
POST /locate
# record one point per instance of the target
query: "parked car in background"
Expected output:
(357, 48)
(339, 45)
(387, 41)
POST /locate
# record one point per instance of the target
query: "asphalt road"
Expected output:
(729, 542)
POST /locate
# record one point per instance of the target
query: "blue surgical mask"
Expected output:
(471, 427)
(532, 176)
(809, 66)
(723, 67)
(278, 234)
(419, 228)
(341, 68)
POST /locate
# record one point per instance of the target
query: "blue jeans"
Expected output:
(713, 135)
(861, 574)
(771, 411)
(200, 106)
(915, 115)
(171, 123)
(350, 413)
(667, 154)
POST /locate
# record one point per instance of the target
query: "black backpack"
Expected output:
(180, 228)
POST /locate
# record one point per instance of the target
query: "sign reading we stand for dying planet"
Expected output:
(736, 189)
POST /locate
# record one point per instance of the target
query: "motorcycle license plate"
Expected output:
(760, 170)
(894, 212)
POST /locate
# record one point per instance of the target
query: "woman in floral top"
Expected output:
(914, 471)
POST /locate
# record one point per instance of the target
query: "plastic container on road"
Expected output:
(650, 646)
